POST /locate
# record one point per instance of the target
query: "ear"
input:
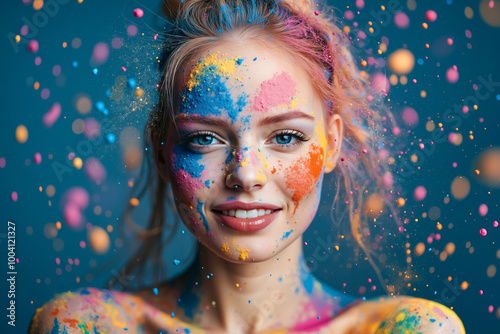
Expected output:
(159, 152)
(334, 133)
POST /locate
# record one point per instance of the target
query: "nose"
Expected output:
(246, 170)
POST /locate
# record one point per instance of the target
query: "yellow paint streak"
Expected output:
(261, 177)
(244, 162)
(323, 143)
(224, 67)
(113, 314)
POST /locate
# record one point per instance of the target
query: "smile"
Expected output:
(246, 213)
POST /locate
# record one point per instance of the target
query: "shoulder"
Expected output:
(88, 310)
(422, 315)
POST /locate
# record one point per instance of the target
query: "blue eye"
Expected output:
(284, 139)
(203, 140)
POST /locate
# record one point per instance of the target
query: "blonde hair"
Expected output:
(312, 36)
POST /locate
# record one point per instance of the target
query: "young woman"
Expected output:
(259, 100)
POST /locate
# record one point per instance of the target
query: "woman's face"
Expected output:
(247, 160)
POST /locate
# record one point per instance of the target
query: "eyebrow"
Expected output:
(185, 118)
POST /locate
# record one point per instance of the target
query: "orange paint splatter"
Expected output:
(302, 180)
(72, 322)
(54, 313)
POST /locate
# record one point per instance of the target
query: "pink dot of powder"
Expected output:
(124, 69)
(438, 236)
(401, 20)
(33, 46)
(132, 30)
(431, 15)
(100, 53)
(454, 165)
(495, 224)
(13, 196)
(481, 120)
(82, 244)
(419, 193)
(77, 262)
(481, 292)
(37, 158)
(421, 146)
(51, 116)
(490, 308)
(92, 128)
(360, 4)
(45, 93)
(56, 70)
(116, 43)
(24, 30)
(452, 75)
(429, 239)
(449, 41)
(380, 83)
(2, 162)
(491, 4)
(38, 61)
(71, 155)
(410, 117)
(58, 261)
(468, 34)
(465, 109)
(138, 12)
(349, 15)
(94, 169)
(396, 131)
(483, 210)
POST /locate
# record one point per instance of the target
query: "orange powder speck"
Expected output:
(302, 180)
(225, 249)
(243, 253)
(54, 313)
(134, 202)
(72, 322)
(65, 44)
(274, 170)
(37, 85)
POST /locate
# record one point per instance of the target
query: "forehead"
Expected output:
(244, 76)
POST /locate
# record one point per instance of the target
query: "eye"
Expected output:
(285, 139)
(288, 138)
(200, 140)
(203, 139)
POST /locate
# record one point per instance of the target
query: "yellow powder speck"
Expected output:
(225, 249)
(400, 317)
(244, 162)
(243, 253)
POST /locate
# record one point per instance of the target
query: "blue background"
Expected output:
(100, 21)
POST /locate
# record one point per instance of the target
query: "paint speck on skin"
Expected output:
(225, 249)
(243, 253)
(286, 235)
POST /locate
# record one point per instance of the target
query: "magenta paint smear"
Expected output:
(274, 92)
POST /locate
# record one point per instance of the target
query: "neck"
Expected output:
(252, 297)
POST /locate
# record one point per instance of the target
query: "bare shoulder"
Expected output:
(89, 310)
(384, 315)
(422, 315)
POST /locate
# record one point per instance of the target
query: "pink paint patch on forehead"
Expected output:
(274, 92)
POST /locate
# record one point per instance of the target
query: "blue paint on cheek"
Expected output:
(207, 183)
(200, 210)
(188, 161)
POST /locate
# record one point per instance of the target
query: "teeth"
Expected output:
(252, 214)
(241, 214)
(246, 214)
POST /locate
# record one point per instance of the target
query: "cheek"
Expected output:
(185, 172)
(304, 176)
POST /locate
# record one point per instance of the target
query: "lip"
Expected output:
(247, 225)
(237, 205)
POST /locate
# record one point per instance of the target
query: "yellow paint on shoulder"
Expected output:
(113, 313)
